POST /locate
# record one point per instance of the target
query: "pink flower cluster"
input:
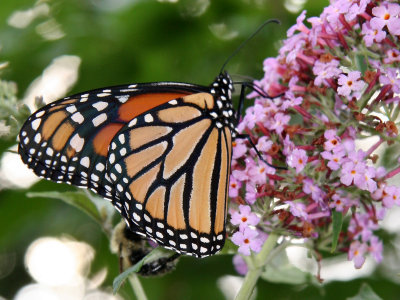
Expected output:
(333, 84)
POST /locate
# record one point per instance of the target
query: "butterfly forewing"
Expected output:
(68, 140)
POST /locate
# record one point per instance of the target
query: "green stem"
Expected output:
(256, 269)
(137, 287)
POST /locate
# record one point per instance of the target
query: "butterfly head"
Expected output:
(223, 85)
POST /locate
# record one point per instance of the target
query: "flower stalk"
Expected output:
(255, 271)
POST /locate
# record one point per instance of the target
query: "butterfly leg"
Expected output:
(258, 90)
(246, 136)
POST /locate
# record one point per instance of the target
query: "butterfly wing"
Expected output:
(170, 167)
(68, 140)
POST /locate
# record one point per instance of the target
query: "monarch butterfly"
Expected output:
(160, 152)
(132, 247)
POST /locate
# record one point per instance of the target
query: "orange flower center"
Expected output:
(386, 17)
(349, 83)
(246, 241)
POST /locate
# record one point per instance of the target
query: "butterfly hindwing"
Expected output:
(170, 166)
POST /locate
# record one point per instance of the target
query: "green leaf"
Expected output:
(337, 221)
(280, 270)
(229, 248)
(365, 293)
(154, 255)
(77, 199)
(361, 63)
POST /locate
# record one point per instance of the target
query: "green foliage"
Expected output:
(337, 221)
(77, 199)
(154, 255)
(365, 293)
(280, 270)
(138, 42)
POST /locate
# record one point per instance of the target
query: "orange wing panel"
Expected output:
(141, 103)
(103, 138)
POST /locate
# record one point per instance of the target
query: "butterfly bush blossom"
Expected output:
(334, 83)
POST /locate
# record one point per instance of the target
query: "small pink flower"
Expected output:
(357, 157)
(258, 172)
(372, 35)
(297, 159)
(291, 100)
(251, 193)
(376, 249)
(352, 173)
(299, 24)
(264, 144)
(240, 175)
(392, 55)
(240, 264)
(332, 140)
(325, 71)
(312, 189)
(234, 187)
(369, 184)
(356, 253)
(391, 77)
(298, 209)
(253, 115)
(279, 121)
(244, 217)
(339, 203)
(350, 85)
(391, 196)
(247, 240)
(336, 158)
(387, 15)
(238, 148)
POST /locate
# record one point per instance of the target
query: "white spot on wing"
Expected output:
(85, 161)
(38, 137)
(100, 105)
(123, 98)
(77, 117)
(103, 94)
(148, 118)
(49, 151)
(77, 142)
(71, 109)
(132, 123)
(100, 167)
(99, 119)
(36, 124)
(39, 114)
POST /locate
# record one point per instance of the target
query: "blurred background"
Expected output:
(59, 47)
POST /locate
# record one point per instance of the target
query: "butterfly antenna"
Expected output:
(247, 40)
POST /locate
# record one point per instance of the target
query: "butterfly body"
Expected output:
(160, 152)
(131, 248)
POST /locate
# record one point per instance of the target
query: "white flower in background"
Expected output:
(60, 267)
